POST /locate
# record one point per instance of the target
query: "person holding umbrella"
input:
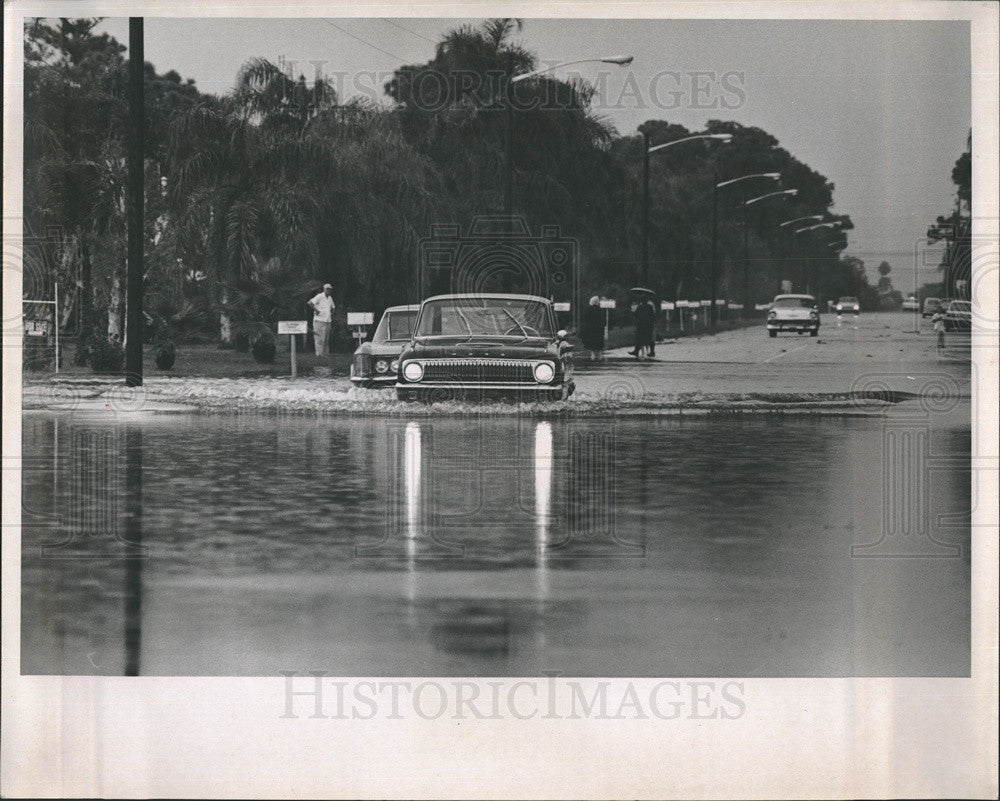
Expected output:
(592, 329)
(645, 322)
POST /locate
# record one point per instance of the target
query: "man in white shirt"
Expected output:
(322, 306)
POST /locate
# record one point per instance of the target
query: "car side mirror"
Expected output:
(561, 333)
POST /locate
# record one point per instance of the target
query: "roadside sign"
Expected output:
(360, 318)
(720, 302)
(666, 305)
(561, 306)
(762, 306)
(608, 304)
(36, 328)
(292, 327)
(706, 303)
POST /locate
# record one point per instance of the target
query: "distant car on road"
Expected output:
(910, 304)
(479, 344)
(848, 304)
(375, 362)
(793, 313)
(958, 316)
(931, 305)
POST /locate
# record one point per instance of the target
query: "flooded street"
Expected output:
(700, 546)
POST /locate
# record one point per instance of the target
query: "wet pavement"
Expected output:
(723, 545)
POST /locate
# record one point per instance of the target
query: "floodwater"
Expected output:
(711, 546)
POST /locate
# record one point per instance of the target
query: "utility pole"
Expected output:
(134, 205)
(715, 246)
(746, 253)
(645, 208)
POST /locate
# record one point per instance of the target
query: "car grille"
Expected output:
(500, 371)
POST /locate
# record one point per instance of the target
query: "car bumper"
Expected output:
(387, 380)
(792, 325)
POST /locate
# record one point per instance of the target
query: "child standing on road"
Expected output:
(938, 322)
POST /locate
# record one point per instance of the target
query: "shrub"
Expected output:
(166, 354)
(106, 356)
(263, 348)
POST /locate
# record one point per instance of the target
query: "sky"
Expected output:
(882, 109)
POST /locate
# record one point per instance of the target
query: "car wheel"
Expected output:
(814, 332)
(772, 334)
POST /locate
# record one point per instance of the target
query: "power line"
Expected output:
(359, 39)
(414, 33)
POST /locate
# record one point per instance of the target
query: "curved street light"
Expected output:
(620, 61)
(647, 152)
(790, 192)
(832, 224)
(811, 217)
(774, 176)
(829, 224)
(746, 240)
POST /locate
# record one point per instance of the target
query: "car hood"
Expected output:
(482, 348)
(380, 349)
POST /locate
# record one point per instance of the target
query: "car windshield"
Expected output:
(793, 303)
(960, 305)
(397, 325)
(492, 317)
(848, 300)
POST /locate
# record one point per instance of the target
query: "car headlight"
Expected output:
(394, 367)
(413, 371)
(814, 315)
(772, 314)
(544, 372)
(381, 366)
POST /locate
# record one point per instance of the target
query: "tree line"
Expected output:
(257, 197)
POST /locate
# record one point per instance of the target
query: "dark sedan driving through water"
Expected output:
(486, 344)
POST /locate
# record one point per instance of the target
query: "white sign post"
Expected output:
(292, 327)
(359, 320)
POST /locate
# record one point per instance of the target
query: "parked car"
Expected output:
(793, 313)
(931, 305)
(958, 316)
(375, 363)
(848, 304)
(486, 344)
(910, 304)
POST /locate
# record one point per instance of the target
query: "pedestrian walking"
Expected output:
(938, 322)
(322, 306)
(644, 317)
(592, 329)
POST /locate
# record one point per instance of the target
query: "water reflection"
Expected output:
(209, 545)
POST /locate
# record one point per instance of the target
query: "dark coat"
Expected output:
(645, 319)
(592, 328)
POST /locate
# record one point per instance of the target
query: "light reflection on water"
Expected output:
(701, 547)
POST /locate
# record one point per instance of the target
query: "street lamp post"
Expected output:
(716, 186)
(746, 238)
(620, 61)
(647, 151)
(829, 224)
